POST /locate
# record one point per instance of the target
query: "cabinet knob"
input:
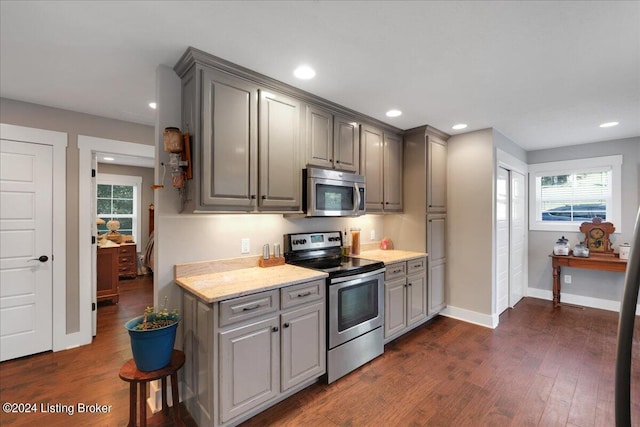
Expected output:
(275, 329)
(386, 203)
(264, 197)
(337, 161)
(286, 325)
(408, 284)
(253, 196)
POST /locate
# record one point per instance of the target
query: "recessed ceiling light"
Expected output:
(109, 159)
(459, 126)
(394, 113)
(609, 124)
(153, 105)
(304, 72)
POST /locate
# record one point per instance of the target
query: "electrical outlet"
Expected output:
(567, 278)
(244, 247)
(373, 234)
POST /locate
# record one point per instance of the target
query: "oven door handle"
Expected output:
(357, 200)
(357, 276)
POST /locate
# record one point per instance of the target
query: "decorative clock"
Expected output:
(596, 236)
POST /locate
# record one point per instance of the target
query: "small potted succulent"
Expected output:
(153, 336)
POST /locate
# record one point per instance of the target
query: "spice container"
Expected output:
(355, 241)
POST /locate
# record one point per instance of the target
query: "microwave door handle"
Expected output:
(357, 198)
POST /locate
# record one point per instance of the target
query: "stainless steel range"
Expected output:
(355, 305)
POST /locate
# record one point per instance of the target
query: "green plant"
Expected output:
(158, 319)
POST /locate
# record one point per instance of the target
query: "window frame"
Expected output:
(136, 183)
(570, 167)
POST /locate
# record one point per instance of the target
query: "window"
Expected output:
(118, 197)
(565, 194)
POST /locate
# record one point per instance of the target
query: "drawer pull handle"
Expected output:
(397, 271)
(417, 266)
(306, 294)
(251, 307)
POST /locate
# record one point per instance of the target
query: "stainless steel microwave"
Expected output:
(333, 193)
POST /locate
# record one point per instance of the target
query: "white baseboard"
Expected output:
(481, 319)
(603, 304)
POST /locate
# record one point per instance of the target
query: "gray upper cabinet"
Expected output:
(437, 175)
(319, 137)
(372, 166)
(228, 153)
(280, 173)
(392, 172)
(381, 162)
(346, 143)
(253, 135)
(333, 140)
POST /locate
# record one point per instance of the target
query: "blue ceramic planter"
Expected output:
(151, 348)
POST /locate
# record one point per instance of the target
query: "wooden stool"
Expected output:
(130, 373)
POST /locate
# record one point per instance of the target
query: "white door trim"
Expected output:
(87, 146)
(58, 141)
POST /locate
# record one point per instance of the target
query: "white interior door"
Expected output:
(502, 240)
(26, 248)
(518, 229)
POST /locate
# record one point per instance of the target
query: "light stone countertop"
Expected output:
(390, 256)
(219, 286)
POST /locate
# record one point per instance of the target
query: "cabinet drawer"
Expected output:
(396, 270)
(415, 265)
(292, 296)
(242, 308)
(126, 260)
(127, 250)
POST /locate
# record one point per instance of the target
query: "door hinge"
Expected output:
(93, 306)
(93, 173)
(93, 240)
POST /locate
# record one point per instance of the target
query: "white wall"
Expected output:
(588, 287)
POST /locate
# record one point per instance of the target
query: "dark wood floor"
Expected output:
(540, 367)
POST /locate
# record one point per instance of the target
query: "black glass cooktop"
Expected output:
(338, 266)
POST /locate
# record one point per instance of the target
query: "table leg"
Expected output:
(556, 285)
(165, 406)
(143, 404)
(176, 400)
(133, 401)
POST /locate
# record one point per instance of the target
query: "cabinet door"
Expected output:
(436, 262)
(319, 137)
(346, 143)
(392, 172)
(416, 298)
(249, 367)
(395, 296)
(371, 166)
(280, 174)
(437, 175)
(107, 271)
(303, 345)
(228, 159)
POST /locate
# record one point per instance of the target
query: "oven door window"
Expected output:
(334, 198)
(357, 304)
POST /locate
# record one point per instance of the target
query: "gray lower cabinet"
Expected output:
(436, 240)
(249, 367)
(405, 297)
(248, 353)
(381, 161)
(333, 140)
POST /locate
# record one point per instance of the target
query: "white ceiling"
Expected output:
(545, 74)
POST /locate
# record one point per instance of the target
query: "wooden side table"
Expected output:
(594, 262)
(130, 373)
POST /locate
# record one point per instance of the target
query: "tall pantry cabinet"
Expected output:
(423, 226)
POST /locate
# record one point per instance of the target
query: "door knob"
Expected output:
(41, 258)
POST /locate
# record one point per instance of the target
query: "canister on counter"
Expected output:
(276, 250)
(265, 252)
